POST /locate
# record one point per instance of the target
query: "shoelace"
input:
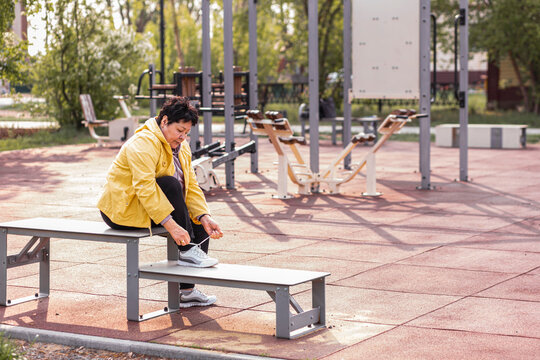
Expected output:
(199, 244)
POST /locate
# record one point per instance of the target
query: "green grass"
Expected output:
(15, 119)
(8, 349)
(46, 138)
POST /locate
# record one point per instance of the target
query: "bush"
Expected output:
(85, 55)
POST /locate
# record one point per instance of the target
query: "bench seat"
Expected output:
(494, 136)
(275, 281)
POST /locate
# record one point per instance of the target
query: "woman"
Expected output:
(152, 182)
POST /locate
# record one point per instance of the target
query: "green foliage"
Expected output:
(12, 48)
(44, 138)
(85, 54)
(511, 28)
(8, 349)
(505, 29)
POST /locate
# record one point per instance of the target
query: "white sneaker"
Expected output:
(195, 298)
(195, 257)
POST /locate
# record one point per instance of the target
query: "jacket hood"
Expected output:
(152, 126)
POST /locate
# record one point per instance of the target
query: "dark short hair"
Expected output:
(178, 109)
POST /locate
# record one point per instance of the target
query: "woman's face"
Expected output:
(176, 132)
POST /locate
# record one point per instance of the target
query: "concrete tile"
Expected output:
(520, 236)
(338, 268)
(511, 262)
(252, 332)
(486, 315)
(105, 316)
(425, 280)
(412, 343)
(452, 222)
(524, 287)
(85, 278)
(358, 251)
(260, 243)
(405, 234)
(373, 306)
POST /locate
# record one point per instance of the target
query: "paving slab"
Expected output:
(227, 334)
(447, 273)
(477, 259)
(486, 315)
(410, 343)
(523, 287)
(425, 280)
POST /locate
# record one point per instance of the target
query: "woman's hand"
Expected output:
(211, 227)
(179, 234)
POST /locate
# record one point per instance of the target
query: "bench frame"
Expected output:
(37, 249)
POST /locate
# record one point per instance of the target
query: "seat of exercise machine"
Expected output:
(362, 138)
(254, 114)
(164, 87)
(293, 140)
(273, 115)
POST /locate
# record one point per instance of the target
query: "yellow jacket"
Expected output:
(131, 196)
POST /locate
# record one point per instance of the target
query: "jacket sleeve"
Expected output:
(195, 199)
(142, 157)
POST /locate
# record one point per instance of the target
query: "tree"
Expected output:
(512, 28)
(503, 28)
(13, 50)
(85, 54)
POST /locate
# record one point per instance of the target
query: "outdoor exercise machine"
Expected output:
(404, 28)
(227, 88)
(119, 129)
(401, 68)
(188, 82)
(281, 136)
(208, 157)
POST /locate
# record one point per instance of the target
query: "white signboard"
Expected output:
(385, 49)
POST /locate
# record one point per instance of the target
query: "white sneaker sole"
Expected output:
(185, 263)
(196, 303)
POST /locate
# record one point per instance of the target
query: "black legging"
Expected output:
(173, 191)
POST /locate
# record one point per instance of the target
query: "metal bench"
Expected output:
(275, 281)
(37, 249)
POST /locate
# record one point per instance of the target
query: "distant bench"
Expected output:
(274, 281)
(494, 136)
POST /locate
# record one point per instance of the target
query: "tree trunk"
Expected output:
(522, 87)
(177, 36)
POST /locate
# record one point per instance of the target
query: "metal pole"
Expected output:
(162, 39)
(313, 52)
(228, 74)
(425, 95)
(253, 81)
(206, 71)
(152, 81)
(347, 73)
(463, 90)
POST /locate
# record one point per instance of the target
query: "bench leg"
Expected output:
(173, 287)
(282, 313)
(132, 276)
(31, 253)
(318, 299)
(45, 269)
